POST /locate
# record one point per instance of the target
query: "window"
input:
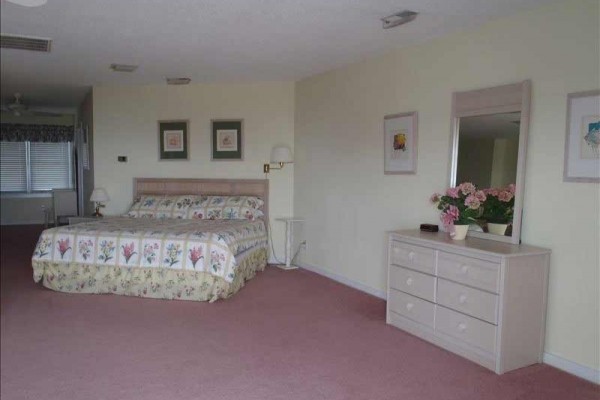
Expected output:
(35, 166)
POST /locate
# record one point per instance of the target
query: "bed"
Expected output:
(183, 258)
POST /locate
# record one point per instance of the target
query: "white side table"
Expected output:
(80, 220)
(289, 232)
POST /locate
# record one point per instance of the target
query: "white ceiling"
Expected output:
(213, 40)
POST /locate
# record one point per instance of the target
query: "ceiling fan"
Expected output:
(18, 108)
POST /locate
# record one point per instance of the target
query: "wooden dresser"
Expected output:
(481, 299)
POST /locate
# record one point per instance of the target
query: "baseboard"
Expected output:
(345, 281)
(587, 373)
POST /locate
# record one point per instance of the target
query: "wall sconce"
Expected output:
(279, 155)
(99, 196)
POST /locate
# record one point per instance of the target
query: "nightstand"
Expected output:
(289, 225)
(79, 220)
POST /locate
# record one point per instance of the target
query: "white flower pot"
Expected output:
(460, 232)
(497, 229)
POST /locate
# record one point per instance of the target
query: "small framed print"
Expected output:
(400, 143)
(173, 140)
(226, 140)
(582, 142)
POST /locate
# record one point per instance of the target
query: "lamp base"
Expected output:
(97, 214)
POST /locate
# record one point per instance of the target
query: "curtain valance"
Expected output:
(36, 133)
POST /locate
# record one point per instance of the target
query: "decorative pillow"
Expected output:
(233, 201)
(224, 213)
(164, 206)
(227, 207)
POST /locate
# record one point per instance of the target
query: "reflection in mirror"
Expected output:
(488, 148)
(489, 144)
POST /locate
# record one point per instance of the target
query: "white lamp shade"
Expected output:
(99, 195)
(281, 154)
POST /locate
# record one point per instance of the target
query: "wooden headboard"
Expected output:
(230, 187)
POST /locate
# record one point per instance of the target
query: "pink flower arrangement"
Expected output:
(499, 204)
(460, 205)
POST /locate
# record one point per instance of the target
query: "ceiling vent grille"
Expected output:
(25, 43)
(123, 67)
(178, 81)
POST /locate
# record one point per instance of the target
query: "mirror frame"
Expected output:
(499, 99)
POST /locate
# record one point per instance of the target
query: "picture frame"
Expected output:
(400, 135)
(227, 140)
(582, 138)
(173, 139)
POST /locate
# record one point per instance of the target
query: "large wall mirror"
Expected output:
(489, 141)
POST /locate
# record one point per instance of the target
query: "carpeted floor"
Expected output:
(286, 335)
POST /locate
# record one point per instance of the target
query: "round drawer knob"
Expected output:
(462, 327)
(462, 299)
(409, 306)
(409, 282)
(464, 269)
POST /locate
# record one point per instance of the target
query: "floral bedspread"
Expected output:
(178, 244)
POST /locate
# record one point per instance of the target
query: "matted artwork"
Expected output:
(226, 140)
(582, 142)
(173, 140)
(400, 143)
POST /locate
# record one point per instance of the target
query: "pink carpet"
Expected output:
(285, 335)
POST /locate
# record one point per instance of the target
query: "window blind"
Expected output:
(13, 167)
(50, 166)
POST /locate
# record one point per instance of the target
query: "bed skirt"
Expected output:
(156, 283)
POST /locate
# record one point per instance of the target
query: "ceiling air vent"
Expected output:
(123, 67)
(25, 43)
(178, 81)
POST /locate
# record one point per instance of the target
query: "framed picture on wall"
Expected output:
(582, 142)
(400, 143)
(226, 139)
(173, 140)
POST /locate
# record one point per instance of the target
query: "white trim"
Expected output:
(345, 281)
(587, 373)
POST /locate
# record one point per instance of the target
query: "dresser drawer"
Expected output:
(415, 257)
(412, 282)
(468, 329)
(470, 271)
(411, 307)
(479, 304)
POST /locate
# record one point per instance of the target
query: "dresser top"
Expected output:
(442, 239)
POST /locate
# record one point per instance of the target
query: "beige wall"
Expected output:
(348, 203)
(125, 123)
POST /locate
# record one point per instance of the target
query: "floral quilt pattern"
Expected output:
(157, 283)
(226, 207)
(178, 244)
(164, 206)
